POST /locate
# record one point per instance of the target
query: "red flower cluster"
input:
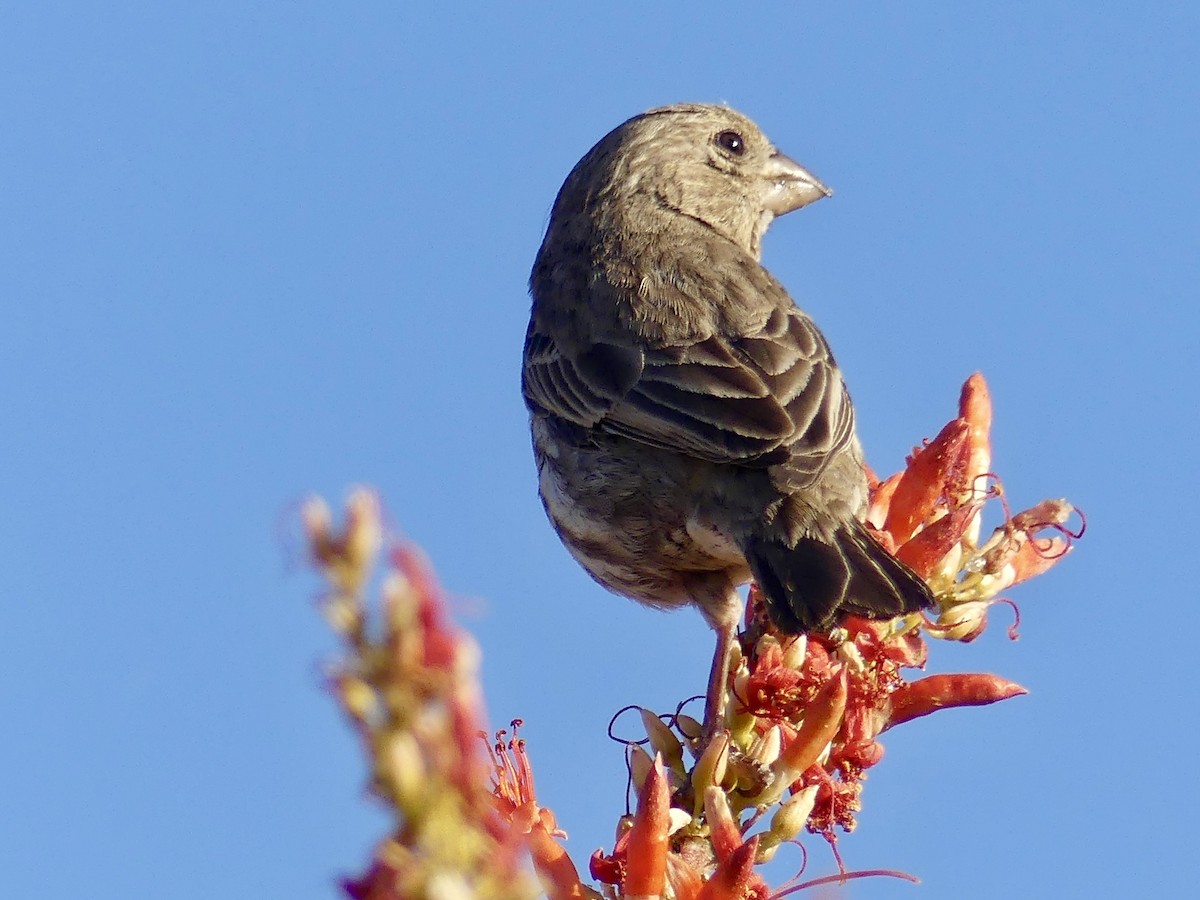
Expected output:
(803, 715)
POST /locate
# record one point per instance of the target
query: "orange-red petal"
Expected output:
(1036, 556)
(723, 830)
(684, 880)
(559, 876)
(881, 499)
(926, 695)
(735, 878)
(646, 859)
(975, 407)
(930, 546)
(821, 722)
(925, 479)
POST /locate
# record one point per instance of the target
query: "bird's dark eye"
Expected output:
(731, 141)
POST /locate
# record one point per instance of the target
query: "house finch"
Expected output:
(691, 428)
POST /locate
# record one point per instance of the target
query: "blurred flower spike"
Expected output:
(802, 723)
(408, 683)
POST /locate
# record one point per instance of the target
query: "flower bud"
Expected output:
(962, 621)
(690, 728)
(765, 749)
(663, 740)
(640, 764)
(792, 814)
(402, 771)
(794, 651)
(358, 699)
(711, 767)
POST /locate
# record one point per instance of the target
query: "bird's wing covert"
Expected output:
(772, 396)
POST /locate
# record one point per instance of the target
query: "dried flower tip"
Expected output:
(1045, 514)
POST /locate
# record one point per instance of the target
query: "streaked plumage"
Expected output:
(690, 425)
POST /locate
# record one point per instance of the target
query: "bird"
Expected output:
(691, 428)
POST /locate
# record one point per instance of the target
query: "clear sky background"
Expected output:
(249, 251)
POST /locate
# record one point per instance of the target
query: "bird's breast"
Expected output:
(627, 514)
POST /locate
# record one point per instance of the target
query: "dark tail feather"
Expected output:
(810, 586)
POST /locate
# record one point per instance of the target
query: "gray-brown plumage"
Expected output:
(690, 425)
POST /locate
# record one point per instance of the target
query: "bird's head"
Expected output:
(706, 162)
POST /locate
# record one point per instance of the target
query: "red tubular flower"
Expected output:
(775, 690)
(882, 493)
(559, 876)
(608, 869)
(924, 481)
(723, 831)
(735, 878)
(930, 546)
(935, 692)
(821, 722)
(975, 408)
(646, 850)
(516, 801)
(685, 881)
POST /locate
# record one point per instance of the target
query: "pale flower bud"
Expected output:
(765, 749)
(711, 767)
(640, 764)
(663, 740)
(794, 651)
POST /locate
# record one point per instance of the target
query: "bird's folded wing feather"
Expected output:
(770, 397)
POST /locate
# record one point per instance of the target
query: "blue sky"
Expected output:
(251, 251)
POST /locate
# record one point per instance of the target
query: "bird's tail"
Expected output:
(808, 587)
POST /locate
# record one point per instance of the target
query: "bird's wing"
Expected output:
(769, 397)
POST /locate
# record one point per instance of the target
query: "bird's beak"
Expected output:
(792, 185)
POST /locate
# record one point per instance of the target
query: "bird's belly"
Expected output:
(629, 519)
